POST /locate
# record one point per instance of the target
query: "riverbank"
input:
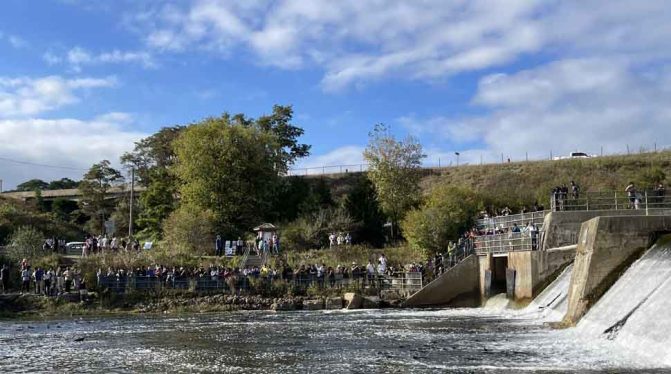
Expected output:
(20, 306)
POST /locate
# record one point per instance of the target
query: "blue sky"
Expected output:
(80, 81)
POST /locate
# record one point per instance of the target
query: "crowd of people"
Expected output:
(43, 281)
(305, 275)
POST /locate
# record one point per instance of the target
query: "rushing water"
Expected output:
(459, 340)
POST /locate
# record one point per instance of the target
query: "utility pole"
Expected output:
(132, 192)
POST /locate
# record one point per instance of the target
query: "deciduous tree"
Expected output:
(394, 170)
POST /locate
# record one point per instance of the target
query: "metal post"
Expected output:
(615, 200)
(132, 192)
(647, 212)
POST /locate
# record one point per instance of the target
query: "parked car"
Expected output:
(74, 248)
(574, 155)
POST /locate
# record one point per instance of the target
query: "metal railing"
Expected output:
(507, 242)
(649, 201)
(506, 222)
(405, 281)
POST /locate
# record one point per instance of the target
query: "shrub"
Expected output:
(190, 229)
(26, 242)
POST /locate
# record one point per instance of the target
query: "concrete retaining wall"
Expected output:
(536, 269)
(562, 228)
(606, 247)
(461, 281)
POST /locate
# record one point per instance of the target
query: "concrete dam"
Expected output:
(601, 276)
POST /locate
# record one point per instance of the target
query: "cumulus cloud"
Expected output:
(358, 41)
(71, 143)
(564, 106)
(26, 96)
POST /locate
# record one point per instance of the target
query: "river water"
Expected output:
(456, 340)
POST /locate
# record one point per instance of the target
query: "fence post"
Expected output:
(615, 200)
(647, 213)
(587, 201)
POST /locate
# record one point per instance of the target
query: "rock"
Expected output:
(390, 295)
(352, 300)
(370, 302)
(316, 304)
(283, 305)
(333, 303)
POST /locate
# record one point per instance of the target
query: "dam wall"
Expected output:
(606, 247)
(535, 269)
(457, 285)
(562, 228)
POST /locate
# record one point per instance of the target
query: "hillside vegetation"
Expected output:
(521, 183)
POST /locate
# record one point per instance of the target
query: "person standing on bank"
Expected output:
(218, 246)
(631, 193)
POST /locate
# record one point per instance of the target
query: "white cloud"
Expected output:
(14, 40)
(78, 57)
(564, 106)
(30, 96)
(357, 41)
(71, 143)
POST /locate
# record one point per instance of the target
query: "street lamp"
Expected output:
(457, 153)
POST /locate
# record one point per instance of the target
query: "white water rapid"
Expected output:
(635, 311)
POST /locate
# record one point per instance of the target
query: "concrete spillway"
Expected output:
(552, 303)
(635, 310)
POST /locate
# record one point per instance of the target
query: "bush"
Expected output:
(190, 229)
(448, 212)
(26, 242)
(313, 231)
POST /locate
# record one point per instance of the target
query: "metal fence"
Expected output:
(507, 222)
(508, 242)
(402, 281)
(650, 201)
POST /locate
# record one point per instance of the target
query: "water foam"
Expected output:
(552, 303)
(635, 310)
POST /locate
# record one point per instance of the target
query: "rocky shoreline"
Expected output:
(27, 305)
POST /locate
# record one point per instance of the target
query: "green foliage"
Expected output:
(152, 159)
(345, 255)
(190, 229)
(100, 178)
(63, 208)
(26, 242)
(14, 214)
(32, 185)
(649, 177)
(313, 230)
(278, 124)
(361, 203)
(394, 170)
(447, 212)
(157, 202)
(229, 170)
(62, 184)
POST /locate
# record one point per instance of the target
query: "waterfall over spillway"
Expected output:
(552, 303)
(636, 309)
(497, 302)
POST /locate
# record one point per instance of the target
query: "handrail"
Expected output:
(245, 256)
(610, 200)
(508, 242)
(521, 219)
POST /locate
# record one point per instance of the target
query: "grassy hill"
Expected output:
(534, 180)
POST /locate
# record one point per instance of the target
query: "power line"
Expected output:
(40, 165)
